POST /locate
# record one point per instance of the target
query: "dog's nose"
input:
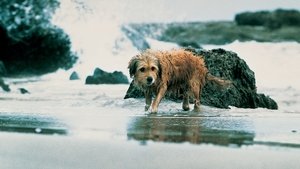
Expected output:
(149, 79)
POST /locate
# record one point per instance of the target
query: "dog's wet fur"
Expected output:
(156, 72)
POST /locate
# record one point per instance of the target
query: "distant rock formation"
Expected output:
(24, 91)
(242, 93)
(137, 39)
(4, 86)
(270, 19)
(74, 76)
(3, 71)
(102, 77)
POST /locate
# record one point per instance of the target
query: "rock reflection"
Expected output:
(36, 124)
(195, 130)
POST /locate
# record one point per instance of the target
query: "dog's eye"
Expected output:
(152, 68)
(142, 69)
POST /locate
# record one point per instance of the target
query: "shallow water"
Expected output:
(74, 109)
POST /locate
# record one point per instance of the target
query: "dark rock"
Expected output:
(270, 19)
(102, 77)
(74, 76)
(43, 51)
(2, 69)
(136, 38)
(24, 91)
(225, 64)
(4, 86)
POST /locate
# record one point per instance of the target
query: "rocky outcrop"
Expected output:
(102, 77)
(74, 76)
(270, 19)
(137, 39)
(32, 49)
(4, 86)
(2, 69)
(242, 93)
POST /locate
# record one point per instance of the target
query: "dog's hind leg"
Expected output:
(196, 88)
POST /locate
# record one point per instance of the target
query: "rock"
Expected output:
(24, 91)
(74, 76)
(102, 77)
(270, 19)
(4, 86)
(46, 50)
(2, 69)
(225, 64)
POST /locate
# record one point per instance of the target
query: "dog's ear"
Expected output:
(132, 66)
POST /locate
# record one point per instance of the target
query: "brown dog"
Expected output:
(161, 71)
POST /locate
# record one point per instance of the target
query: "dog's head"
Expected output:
(144, 69)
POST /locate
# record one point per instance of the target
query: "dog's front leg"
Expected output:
(161, 92)
(148, 97)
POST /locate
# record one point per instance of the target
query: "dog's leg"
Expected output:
(196, 91)
(186, 104)
(159, 96)
(197, 103)
(148, 97)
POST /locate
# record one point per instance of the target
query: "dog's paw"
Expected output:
(152, 110)
(186, 107)
(147, 107)
(197, 109)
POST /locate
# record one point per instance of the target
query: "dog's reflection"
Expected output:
(189, 129)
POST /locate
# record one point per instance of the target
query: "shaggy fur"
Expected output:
(156, 72)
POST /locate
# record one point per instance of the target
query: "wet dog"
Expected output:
(156, 72)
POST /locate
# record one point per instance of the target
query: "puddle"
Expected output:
(192, 129)
(35, 124)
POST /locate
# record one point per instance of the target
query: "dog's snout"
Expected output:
(149, 79)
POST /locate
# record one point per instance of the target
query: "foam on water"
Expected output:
(94, 29)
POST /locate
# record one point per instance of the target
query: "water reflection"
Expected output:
(195, 130)
(37, 124)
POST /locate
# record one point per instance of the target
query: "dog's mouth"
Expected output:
(149, 81)
(149, 85)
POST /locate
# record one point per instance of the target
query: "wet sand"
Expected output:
(166, 140)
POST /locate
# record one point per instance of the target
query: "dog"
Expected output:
(156, 72)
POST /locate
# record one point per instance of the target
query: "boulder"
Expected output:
(24, 91)
(227, 65)
(2, 69)
(74, 76)
(102, 77)
(4, 86)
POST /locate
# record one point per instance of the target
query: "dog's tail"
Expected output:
(221, 82)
